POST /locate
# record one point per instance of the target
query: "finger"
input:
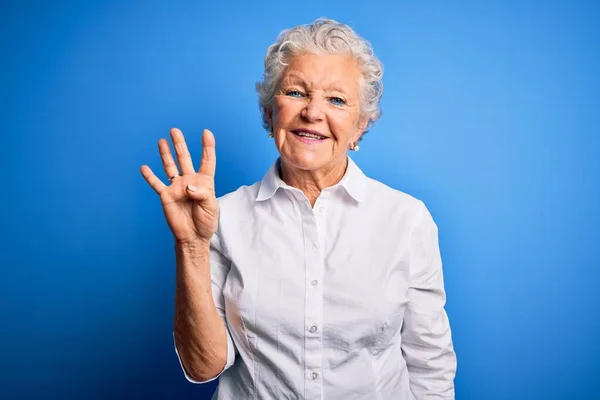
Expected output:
(181, 150)
(167, 158)
(199, 193)
(204, 197)
(152, 179)
(209, 157)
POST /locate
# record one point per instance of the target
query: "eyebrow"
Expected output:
(331, 87)
(336, 87)
(294, 78)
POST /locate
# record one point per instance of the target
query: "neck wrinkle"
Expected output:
(311, 183)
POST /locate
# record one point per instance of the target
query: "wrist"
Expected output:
(193, 245)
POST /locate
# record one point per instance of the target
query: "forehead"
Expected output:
(324, 71)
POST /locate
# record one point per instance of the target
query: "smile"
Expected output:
(308, 136)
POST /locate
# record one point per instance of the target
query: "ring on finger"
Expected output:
(173, 177)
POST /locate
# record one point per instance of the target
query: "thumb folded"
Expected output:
(196, 194)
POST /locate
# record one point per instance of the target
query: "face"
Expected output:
(316, 114)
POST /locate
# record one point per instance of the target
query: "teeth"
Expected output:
(309, 135)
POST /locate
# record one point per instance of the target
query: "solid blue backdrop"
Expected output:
(490, 116)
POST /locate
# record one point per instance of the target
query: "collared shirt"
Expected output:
(343, 300)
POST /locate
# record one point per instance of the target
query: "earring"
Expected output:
(271, 134)
(354, 147)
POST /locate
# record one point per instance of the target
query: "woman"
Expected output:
(317, 282)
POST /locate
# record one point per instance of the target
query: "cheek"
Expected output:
(345, 127)
(274, 115)
(280, 111)
(285, 111)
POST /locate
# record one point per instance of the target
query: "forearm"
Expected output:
(199, 331)
(431, 362)
(426, 334)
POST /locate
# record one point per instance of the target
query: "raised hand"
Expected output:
(189, 201)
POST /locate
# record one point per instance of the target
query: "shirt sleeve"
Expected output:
(426, 337)
(219, 268)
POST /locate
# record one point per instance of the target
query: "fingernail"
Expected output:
(192, 188)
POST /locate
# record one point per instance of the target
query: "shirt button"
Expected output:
(314, 375)
(313, 328)
(314, 283)
(321, 210)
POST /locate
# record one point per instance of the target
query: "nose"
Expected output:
(314, 110)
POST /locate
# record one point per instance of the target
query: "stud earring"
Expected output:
(354, 147)
(271, 134)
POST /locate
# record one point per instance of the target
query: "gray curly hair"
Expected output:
(323, 36)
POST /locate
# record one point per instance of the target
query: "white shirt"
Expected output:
(343, 300)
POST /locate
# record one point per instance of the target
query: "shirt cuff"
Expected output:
(229, 363)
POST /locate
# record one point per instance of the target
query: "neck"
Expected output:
(312, 182)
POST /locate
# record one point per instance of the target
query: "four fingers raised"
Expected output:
(207, 166)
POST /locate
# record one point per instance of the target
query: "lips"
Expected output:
(309, 134)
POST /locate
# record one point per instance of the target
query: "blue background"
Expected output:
(490, 115)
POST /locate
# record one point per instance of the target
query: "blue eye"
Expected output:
(337, 101)
(294, 93)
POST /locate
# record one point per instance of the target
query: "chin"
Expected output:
(306, 161)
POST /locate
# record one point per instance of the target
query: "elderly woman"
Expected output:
(316, 282)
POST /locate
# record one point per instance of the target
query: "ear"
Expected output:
(362, 126)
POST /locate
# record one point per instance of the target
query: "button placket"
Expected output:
(314, 266)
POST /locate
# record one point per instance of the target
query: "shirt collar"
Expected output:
(354, 182)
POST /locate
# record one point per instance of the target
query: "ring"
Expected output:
(173, 177)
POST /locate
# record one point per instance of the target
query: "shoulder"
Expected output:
(240, 200)
(241, 194)
(397, 206)
(378, 193)
(401, 209)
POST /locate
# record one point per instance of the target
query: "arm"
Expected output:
(426, 336)
(202, 343)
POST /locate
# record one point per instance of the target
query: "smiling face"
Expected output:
(315, 115)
